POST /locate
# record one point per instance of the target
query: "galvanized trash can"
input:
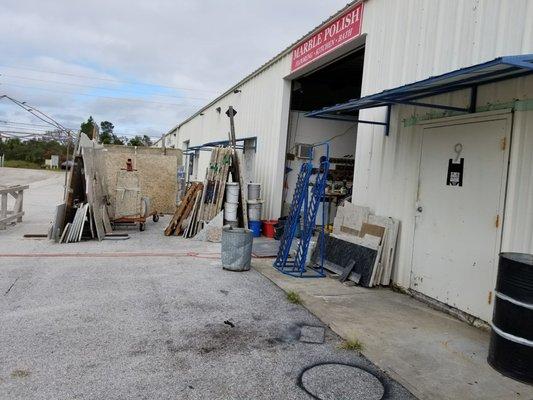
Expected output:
(236, 248)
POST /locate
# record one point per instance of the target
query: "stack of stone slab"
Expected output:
(362, 241)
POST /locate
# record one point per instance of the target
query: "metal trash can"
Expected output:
(236, 248)
(511, 342)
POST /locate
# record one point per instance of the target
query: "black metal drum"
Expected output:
(511, 343)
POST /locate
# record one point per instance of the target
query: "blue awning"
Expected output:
(501, 68)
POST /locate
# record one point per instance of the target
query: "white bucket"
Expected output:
(230, 211)
(254, 211)
(254, 191)
(232, 192)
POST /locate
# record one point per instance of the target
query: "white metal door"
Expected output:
(459, 216)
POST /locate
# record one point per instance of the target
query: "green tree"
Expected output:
(136, 141)
(88, 127)
(147, 141)
(106, 133)
(107, 136)
(33, 150)
(119, 140)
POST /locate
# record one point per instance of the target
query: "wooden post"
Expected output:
(237, 168)
(231, 113)
(19, 205)
(15, 215)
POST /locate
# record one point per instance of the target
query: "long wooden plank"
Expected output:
(209, 186)
(199, 220)
(12, 189)
(214, 183)
(192, 233)
(187, 221)
(172, 224)
(187, 211)
(12, 217)
(192, 216)
(176, 218)
(226, 160)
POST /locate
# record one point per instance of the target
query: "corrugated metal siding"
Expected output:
(262, 111)
(410, 40)
(407, 40)
(518, 223)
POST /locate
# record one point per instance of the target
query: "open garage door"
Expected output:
(336, 82)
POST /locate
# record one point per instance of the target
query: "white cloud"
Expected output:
(205, 45)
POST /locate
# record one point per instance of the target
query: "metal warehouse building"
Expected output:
(433, 100)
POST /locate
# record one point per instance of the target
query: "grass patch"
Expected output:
(20, 373)
(294, 297)
(21, 164)
(352, 345)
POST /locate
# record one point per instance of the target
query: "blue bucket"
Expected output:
(255, 227)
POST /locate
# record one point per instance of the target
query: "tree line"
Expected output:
(107, 136)
(33, 152)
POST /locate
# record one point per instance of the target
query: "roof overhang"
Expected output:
(499, 69)
(211, 145)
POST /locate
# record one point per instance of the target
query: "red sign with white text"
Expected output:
(336, 33)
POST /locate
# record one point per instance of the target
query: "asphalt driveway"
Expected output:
(157, 318)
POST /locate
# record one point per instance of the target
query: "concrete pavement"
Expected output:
(155, 317)
(431, 353)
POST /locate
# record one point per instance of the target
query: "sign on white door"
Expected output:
(459, 212)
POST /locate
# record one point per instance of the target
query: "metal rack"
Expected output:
(305, 207)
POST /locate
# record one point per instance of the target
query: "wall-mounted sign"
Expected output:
(336, 33)
(455, 172)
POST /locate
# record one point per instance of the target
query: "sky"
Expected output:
(143, 65)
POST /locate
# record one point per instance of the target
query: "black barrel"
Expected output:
(511, 342)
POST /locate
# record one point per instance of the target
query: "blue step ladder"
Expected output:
(309, 205)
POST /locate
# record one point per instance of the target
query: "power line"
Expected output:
(50, 121)
(24, 129)
(103, 88)
(22, 123)
(26, 134)
(108, 79)
(27, 128)
(38, 114)
(44, 130)
(98, 96)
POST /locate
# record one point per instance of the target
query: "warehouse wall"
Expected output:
(410, 40)
(406, 40)
(262, 111)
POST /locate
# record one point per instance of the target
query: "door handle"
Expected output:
(419, 209)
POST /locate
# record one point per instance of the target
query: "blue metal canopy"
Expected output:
(501, 68)
(210, 145)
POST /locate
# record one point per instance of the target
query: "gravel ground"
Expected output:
(105, 324)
